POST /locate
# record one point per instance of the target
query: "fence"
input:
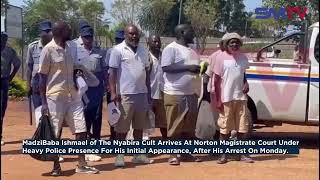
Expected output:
(286, 48)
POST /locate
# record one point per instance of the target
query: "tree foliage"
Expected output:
(4, 4)
(70, 11)
(264, 28)
(201, 14)
(154, 15)
(126, 10)
(231, 16)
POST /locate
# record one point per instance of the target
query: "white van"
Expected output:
(286, 90)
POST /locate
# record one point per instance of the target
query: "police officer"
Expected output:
(119, 37)
(92, 58)
(33, 55)
(9, 58)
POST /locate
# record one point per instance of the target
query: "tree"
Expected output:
(126, 10)
(231, 16)
(154, 15)
(173, 19)
(103, 30)
(263, 28)
(68, 10)
(4, 4)
(201, 14)
(92, 11)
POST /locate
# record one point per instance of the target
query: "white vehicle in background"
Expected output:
(286, 90)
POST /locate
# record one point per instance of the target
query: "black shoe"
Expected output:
(223, 159)
(190, 158)
(56, 172)
(246, 159)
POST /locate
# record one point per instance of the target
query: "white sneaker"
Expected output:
(92, 157)
(2, 143)
(61, 159)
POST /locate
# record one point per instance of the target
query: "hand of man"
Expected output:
(29, 90)
(194, 69)
(149, 99)
(245, 89)
(44, 110)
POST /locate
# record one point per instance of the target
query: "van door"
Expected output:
(313, 114)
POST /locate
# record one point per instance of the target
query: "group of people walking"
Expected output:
(136, 78)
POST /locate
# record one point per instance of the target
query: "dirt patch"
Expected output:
(15, 165)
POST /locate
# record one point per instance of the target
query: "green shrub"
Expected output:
(18, 88)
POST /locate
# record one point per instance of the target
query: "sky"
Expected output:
(250, 6)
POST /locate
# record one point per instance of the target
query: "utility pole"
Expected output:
(245, 29)
(180, 10)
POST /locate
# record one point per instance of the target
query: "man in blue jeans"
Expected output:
(8, 58)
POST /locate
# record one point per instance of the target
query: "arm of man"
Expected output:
(113, 84)
(169, 66)
(44, 69)
(29, 68)
(217, 87)
(114, 64)
(148, 72)
(245, 85)
(218, 73)
(16, 65)
(209, 73)
(105, 68)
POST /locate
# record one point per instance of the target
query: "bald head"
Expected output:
(184, 32)
(132, 35)
(61, 30)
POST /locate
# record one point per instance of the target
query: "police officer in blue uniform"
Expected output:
(9, 59)
(92, 58)
(33, 55)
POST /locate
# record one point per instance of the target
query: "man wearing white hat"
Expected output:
(231, 88)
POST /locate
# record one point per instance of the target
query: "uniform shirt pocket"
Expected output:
(35, 58)
(58, 61)
(93, 63)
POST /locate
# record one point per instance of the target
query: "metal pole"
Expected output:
(22, 45)
(180, 9)
(245, 30)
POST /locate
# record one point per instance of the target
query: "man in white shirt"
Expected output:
(156, 83)
(130, 89)
(180, 65)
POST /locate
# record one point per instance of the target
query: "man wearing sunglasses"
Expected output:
(231, 90)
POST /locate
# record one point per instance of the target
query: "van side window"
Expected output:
(316, 49)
